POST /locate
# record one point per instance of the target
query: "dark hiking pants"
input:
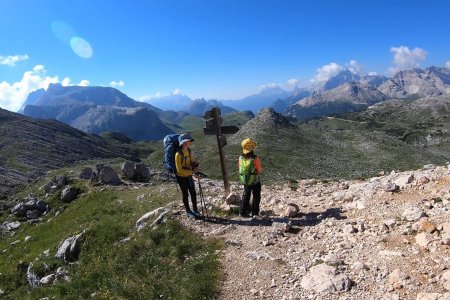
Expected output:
(187, 187)
(245, 204)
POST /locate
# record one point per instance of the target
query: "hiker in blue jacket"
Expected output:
(185, 168)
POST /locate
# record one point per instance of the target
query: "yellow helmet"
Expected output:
(248, 145)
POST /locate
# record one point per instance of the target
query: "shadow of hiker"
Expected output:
(308, 219)
(314, 218)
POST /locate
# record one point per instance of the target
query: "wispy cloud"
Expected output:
(176, 92)
(149, 97)
(447, 64)
(12, 95)
(67, 82)
(84, 82)
(355, 67)
(11, 60)
(117, 83)
(405, 58)
(288, 85)
(326, 72)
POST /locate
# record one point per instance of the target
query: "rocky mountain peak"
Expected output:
(418, 83)
(269, 117)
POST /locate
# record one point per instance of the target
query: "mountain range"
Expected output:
(99, 109)
(361, 92)
(95, 110)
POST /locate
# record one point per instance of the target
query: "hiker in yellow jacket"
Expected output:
(186, 167)
(249, 170)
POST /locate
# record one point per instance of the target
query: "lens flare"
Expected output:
(63, 31)
(81, 47)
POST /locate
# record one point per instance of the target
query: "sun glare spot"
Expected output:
(81, 47)
(63, 31)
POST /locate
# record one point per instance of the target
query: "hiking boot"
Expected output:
(198, 215)
(190, 214)
(194, 215)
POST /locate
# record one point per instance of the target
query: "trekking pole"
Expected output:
(202, 196)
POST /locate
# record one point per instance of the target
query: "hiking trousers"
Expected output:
(187, 187)
(245, 204)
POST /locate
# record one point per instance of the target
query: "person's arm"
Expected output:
(257, 163)
(180, 170)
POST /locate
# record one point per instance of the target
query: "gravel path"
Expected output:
(349, 240)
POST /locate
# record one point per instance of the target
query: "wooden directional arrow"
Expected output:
(223, 130)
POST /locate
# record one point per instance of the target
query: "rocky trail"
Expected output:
(383, 238)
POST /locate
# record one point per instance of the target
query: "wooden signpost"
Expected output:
(213, 122)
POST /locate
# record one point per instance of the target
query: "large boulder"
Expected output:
(69, 249)
(135, 171)
(107, 175)
(56, 183)
(127, 169)
(323, 279)
(31, 208)
(86, 173)
(69, 194)
(155, 216)
(141, 172)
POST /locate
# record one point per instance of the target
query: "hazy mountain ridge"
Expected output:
(199, 106)
(184, 104)
(137, 123)
(256, 102)
(97, 109)
(347, 97)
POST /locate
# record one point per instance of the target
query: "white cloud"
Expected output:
(291, 83)
(405, 58)
(326, 72)
(65, 81)
(269, 86)
(12, 95)
(176, 92)
(84, 82)
(372, 73)
(447, 64)
(12, 59)
(288, 85)
(149, 97)
(355, 67)
(117, 83)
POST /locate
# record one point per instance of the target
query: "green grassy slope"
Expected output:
(168, 262)
(395, 135)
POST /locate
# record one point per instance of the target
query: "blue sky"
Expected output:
(221, 49)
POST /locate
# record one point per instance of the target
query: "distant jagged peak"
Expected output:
(418, 83)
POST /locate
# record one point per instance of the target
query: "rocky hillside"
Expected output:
(347, 97)
(418, 83)
(137, 123)
(97, 109)
(385, 237)
(30, 147)
(354, 145)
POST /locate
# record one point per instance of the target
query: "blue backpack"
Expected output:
(171, 146)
